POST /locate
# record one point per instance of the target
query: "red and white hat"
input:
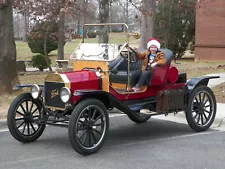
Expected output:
(153, 41)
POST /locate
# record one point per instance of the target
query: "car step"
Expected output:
(147, 111)
(59, 124)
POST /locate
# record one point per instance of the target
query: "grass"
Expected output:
(24, 52)
(219, 92)
(114, 38)
(6, 99)
(24, 79)
(196, 69)
(33, 79)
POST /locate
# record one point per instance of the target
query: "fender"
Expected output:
(106, 98)
(20, 86)
(195, 82)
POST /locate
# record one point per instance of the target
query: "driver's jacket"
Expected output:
(159, 59)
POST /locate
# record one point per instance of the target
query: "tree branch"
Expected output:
(3, 4)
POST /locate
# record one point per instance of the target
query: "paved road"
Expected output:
(156, 144)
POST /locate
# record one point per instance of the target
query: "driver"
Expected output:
(151, 57)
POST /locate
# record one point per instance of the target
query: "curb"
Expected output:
(219, 120)
(180, 118)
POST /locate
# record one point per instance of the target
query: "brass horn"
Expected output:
(136, 35)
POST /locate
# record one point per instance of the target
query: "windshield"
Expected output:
(101, 42)
(100, 52)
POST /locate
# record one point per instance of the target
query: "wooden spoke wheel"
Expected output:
(201, 110)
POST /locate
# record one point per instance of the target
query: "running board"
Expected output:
(148, 112)
(152, 113)
(54, 124)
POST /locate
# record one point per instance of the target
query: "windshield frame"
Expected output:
(74, 57)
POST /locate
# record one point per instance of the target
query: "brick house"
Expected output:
(210, 30)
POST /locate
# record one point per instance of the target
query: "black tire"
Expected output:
(27, 120)
(140, 119)
(84, 123)
(201, 110)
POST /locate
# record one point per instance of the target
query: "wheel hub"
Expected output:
(28, 118)
(90, 124)
(201, 108)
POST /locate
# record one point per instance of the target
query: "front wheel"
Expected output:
(23, 115)
(201, 110)
(88, 126)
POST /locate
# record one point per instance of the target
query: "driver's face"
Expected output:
(153, 49)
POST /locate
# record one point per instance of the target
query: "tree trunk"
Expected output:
(147, 14)
(45, 51)
(61, 38)
(83, 15)
(78, 27)
(103, 18)
(8, 72)
(26, 27)
(127, 12)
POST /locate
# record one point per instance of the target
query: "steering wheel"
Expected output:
(124, 56)
(131, 52)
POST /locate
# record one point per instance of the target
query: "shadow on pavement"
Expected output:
(121, 132)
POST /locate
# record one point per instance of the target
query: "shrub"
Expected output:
(37, 34)
(117, 30)
(91, 35)
(39, 62)
(97, 32)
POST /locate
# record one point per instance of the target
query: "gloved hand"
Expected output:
(150, 61)
(135, 49)
(153, 64)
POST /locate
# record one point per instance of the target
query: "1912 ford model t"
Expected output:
(82, 98)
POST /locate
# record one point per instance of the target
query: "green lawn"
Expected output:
(24, 52)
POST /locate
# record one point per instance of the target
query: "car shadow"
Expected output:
(151, 130)
(122, 131)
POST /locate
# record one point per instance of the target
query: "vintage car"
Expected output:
(82, 99)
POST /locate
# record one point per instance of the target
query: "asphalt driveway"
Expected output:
(156, 144)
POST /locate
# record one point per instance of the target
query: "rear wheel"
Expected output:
(23, 115)
(88, 126)
(201, 110)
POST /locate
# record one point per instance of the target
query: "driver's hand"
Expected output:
(135, 49)
(153, 65)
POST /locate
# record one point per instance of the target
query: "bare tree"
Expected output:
(8, 72)
(147, 11)
(24, 8)
(18, 25)
(61, 33)
(103, 18)
(26, 27)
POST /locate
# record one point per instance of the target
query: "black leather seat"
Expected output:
(168, 55)
(121, 76)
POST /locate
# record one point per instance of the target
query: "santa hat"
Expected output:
(153, 41)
